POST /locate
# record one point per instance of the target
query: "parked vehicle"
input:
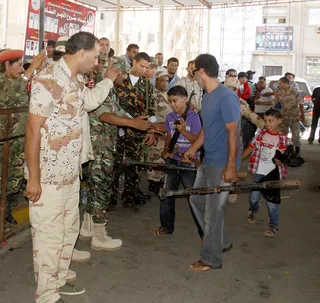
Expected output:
(304, 91)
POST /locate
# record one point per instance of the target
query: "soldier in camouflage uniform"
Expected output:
(162, 109)
(291, 111)
(136, 98)
(13, 94)
(103, 131)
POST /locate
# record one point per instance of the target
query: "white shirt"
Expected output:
(133, 79)
(263, 108)
(269, 144)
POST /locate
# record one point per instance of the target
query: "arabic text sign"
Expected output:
(62, 18)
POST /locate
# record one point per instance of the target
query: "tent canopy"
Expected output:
(178, 4)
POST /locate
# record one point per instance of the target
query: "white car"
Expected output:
(304, 90)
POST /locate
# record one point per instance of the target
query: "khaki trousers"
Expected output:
(55, 228)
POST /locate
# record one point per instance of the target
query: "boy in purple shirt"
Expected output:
(189, 130)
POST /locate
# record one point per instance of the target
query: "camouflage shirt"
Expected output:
(290, 101)
(13, 93)
(136, 99)
(104, 135)
(163, 107)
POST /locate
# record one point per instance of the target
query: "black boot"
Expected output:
(297, 152)
(9, 218)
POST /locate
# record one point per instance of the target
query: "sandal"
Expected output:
(200, 266)
(160, 231)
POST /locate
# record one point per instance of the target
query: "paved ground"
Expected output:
(150, 269)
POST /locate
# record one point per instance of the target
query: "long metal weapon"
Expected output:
(164, 166)
(163, 193)
(157, 166)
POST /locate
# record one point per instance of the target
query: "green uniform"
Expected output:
(102, 191)
(13, 94)
(136, 100)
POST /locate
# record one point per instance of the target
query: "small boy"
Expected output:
(263, 162)
(189, 129)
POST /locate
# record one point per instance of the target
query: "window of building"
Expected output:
(314, 16)
(313, 66)
(272, 71)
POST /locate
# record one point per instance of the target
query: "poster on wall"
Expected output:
(274, 38)
(62, 18)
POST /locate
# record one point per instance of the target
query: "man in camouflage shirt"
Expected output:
(136, 98)
(291, 111)
(13, 95)
(103, 131)
(162, 109)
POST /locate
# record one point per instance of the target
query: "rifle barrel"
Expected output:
(163, 193)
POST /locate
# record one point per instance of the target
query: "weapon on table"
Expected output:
(164, 166)
(163, 193)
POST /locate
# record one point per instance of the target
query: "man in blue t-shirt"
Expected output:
(220, 137)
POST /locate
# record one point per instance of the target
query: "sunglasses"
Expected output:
(233, 76)
(195, 70)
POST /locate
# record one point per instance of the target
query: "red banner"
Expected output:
(62, 18)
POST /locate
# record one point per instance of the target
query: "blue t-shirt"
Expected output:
(219, 107)
(193, 126)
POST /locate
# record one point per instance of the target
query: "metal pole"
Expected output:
(41, 24)
(161, 27)
(117, 27)
(209, 30)
(5, 24)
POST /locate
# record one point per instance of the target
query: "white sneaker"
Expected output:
(86, 230)
(101, 241)
(71, 276)
(80, 256)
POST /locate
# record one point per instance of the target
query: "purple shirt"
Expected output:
(193, 126)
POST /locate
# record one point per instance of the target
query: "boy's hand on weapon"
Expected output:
(149, 139)
(141, 123)
(188, 156)
(111, 73)
(182, 127)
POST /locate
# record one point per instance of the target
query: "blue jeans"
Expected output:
(273, 209)
(209, 210)
(168, 206)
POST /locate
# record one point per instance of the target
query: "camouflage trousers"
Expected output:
(293, 125)
(102, 192)
(154, 156)
(129, 146)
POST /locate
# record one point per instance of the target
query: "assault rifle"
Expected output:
(163, 193)
(164, 166)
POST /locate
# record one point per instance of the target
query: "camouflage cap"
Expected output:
(61, 44)
(102, 57)
(119, 64)
(232, 82)
(161, 74)
(153, 62)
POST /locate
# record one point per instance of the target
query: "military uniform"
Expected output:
(290, 101)
(162, 109)
(136, 100)
(102, 191)
(13, 94)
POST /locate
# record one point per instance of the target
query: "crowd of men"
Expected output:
(89, 111)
